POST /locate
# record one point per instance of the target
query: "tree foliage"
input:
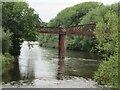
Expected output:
(100, 17)
(22, 21)
(5, 40)
(72, 16)
(107, 35)
(106, 32)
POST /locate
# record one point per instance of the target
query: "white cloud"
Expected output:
(48, 9)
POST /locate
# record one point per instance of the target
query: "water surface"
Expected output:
(41, 63)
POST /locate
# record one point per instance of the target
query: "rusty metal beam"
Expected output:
(61, 57)
(86, 29)
(50, 30)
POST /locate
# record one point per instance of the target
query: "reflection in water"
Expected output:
(12, 74)
(81, 67)
(26, 63)
(41, 63)
(34, 63)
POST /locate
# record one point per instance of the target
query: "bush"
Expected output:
(5, 61)
(107, 73)
(6, 42)
(107, 35)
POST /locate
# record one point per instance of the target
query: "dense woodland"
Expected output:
(20, 22)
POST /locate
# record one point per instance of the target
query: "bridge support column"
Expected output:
(60, 75)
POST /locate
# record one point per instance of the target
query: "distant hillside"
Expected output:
(73, 15)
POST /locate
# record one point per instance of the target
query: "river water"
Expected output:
(39, 63)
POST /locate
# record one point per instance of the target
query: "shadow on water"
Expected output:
(81, 64)
(80, 68)
(12, 73)
(82, 55)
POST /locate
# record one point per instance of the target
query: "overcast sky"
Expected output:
(48, 9)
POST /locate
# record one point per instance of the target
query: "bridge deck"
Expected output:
(87, 29)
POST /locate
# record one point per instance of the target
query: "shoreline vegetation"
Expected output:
(7, 60)
(20, 23)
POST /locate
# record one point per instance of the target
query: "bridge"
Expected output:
(85, 30)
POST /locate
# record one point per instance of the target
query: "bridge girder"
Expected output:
(87, 29)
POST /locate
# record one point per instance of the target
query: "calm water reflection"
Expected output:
(41, 63)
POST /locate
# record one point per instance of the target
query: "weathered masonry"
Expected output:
(86, 30)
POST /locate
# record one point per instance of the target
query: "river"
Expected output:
(38, 65)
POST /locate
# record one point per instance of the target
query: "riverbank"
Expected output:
(45, 83)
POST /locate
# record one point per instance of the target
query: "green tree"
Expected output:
(106, 19)
(5, 58)
(99, 17)
(107, 35)
(22, 21)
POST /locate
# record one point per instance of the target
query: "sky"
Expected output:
(48, 9)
